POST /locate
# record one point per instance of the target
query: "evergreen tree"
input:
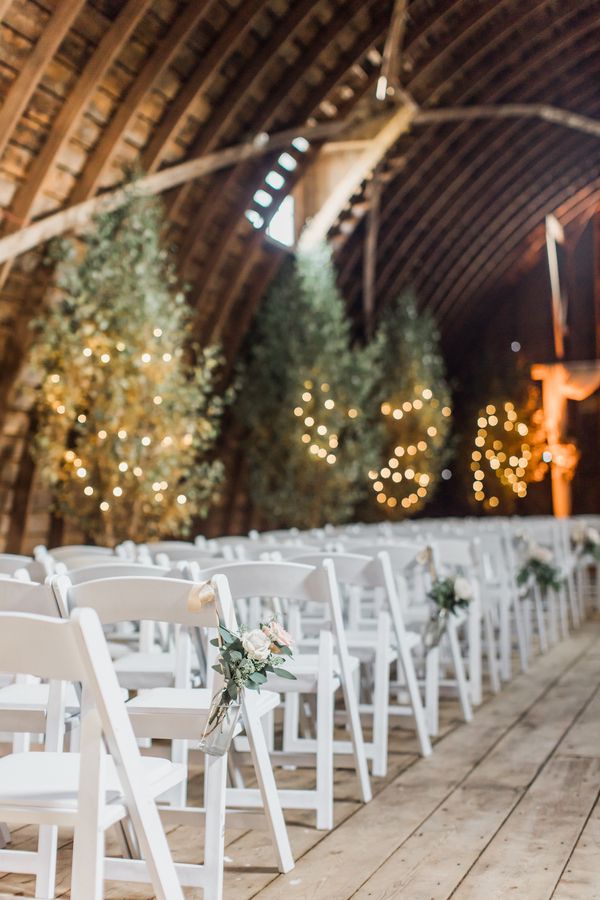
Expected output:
(302, 401)
(411, 401)
(127, 410)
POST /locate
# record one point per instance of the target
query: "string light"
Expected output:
(386, 479)
(512, 466)
(322, 440)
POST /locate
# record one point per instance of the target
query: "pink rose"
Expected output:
(279, 635)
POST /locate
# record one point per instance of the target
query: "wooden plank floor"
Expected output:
(506, 807)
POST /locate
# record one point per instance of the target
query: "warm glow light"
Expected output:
(104, 506)
(181, 499)
(117, 491)
(88, 490)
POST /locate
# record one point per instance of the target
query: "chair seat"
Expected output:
(305, 666)
(137, 671)
(182, 712)
(50, 780)
(34, 697)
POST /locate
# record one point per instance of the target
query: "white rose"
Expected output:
(256, 644)
(462, 589)
(578, 533)
(541, 554)
(593, 536)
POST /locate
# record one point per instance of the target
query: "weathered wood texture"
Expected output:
(507, 806)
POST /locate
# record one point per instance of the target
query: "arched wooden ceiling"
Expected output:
(463, 203)
(90, 85)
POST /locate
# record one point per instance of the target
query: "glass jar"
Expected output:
(220, 726)
(435, 628)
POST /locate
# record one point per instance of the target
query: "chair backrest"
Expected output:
(288, 580)
(10, 562)
(116, 569)
(65, 553)
(42, 646)
(28, 597)
(146, 598)
(182, 554)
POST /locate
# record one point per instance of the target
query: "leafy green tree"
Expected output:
(410, 401)
(128, 414)
(302, 401)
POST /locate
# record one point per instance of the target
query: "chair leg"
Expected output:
(432, 690)
(268, 789)
(505, 638)
(47, 848)
(474, 652)
(521, 634)
(88, 839)
(5, 836)
(214, 840)
(563, 613)
(412, 685)
(490, 646)
(541, 622)
(461, 681)
(381, 698)
(325, 725)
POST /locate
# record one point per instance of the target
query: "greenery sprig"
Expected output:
(451, 593)
(246, 659)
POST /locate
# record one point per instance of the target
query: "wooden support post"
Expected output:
(370, 253)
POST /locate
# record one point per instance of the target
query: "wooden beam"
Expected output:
(176, 112)
(64, 124)
(104, 153)
(511, 111)
(79, 216)
(390, 67)
(34, 67)
(596, 275)
(370, 252)
(395, 125)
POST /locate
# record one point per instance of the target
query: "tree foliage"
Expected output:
(128, 414)
(303, 398)
(410, 400)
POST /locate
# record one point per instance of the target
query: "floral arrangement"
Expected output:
(244, 661)
(539, 565)
(451, 594)
(586, 541)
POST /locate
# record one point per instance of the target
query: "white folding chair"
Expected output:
(87, 791)
(180, 713)
(320, 675)
(372, 640)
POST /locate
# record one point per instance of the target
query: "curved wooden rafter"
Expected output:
(474, 189)
(468, 187)
(29, 77)
(178, 110)
(265, 120)
(209, 137)
(103, 154)
(102, 58)
(435, 190)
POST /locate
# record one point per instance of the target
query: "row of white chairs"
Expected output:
(354, 599)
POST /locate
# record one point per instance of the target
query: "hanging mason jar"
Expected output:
(220, 726)
(435, 628)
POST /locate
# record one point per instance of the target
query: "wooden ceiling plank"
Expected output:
(440, 184)
(63, 126)
(443, 195)
(198, 82)
(29, 77)
(434, 159)
(323, 89)
(210, 135)
(256, 242)
(102, 156)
